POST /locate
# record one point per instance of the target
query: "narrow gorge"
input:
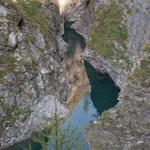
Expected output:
(91, 58)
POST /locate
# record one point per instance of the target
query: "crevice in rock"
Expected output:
(20, 23)
(87, 3)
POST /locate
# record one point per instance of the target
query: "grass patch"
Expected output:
(7, 63)
(7, 59)
(2, 75)
(142, 72)
(105, 118)
(134, 131)
(147, 125)
(31, 9)
(147, 47)
(106, 29)
(13, 113)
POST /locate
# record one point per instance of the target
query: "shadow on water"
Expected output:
(72, 38)
(104, 93)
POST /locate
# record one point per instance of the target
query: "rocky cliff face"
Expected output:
(31, 69)
(33, 75)
(118, 37)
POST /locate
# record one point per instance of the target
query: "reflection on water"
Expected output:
(84, 112)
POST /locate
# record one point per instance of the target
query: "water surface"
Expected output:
(72, 38)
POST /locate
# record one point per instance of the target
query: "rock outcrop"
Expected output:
(31, 69)
(118, 37)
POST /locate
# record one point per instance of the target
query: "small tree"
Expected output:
(58, 136)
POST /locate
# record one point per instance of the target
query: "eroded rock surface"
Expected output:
(118, 37)
(31, 71)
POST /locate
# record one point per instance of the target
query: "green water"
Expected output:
(104, 93)
(72, 38)
(103, 96)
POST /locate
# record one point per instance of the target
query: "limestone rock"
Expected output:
(119, 52)
(31, 78)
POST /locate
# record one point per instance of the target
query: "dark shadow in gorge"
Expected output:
(104, 92)
(72, 38)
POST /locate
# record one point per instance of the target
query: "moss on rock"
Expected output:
(33, 11)
(13, 113)
(7, 63)
(142, 72)
(108, 28)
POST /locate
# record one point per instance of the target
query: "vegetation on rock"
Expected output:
(108, 28)
(31, 10)
(7, 63)
(28, 71)
(13, 113)
(124, 120)
(55, 136)
(142, 72)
